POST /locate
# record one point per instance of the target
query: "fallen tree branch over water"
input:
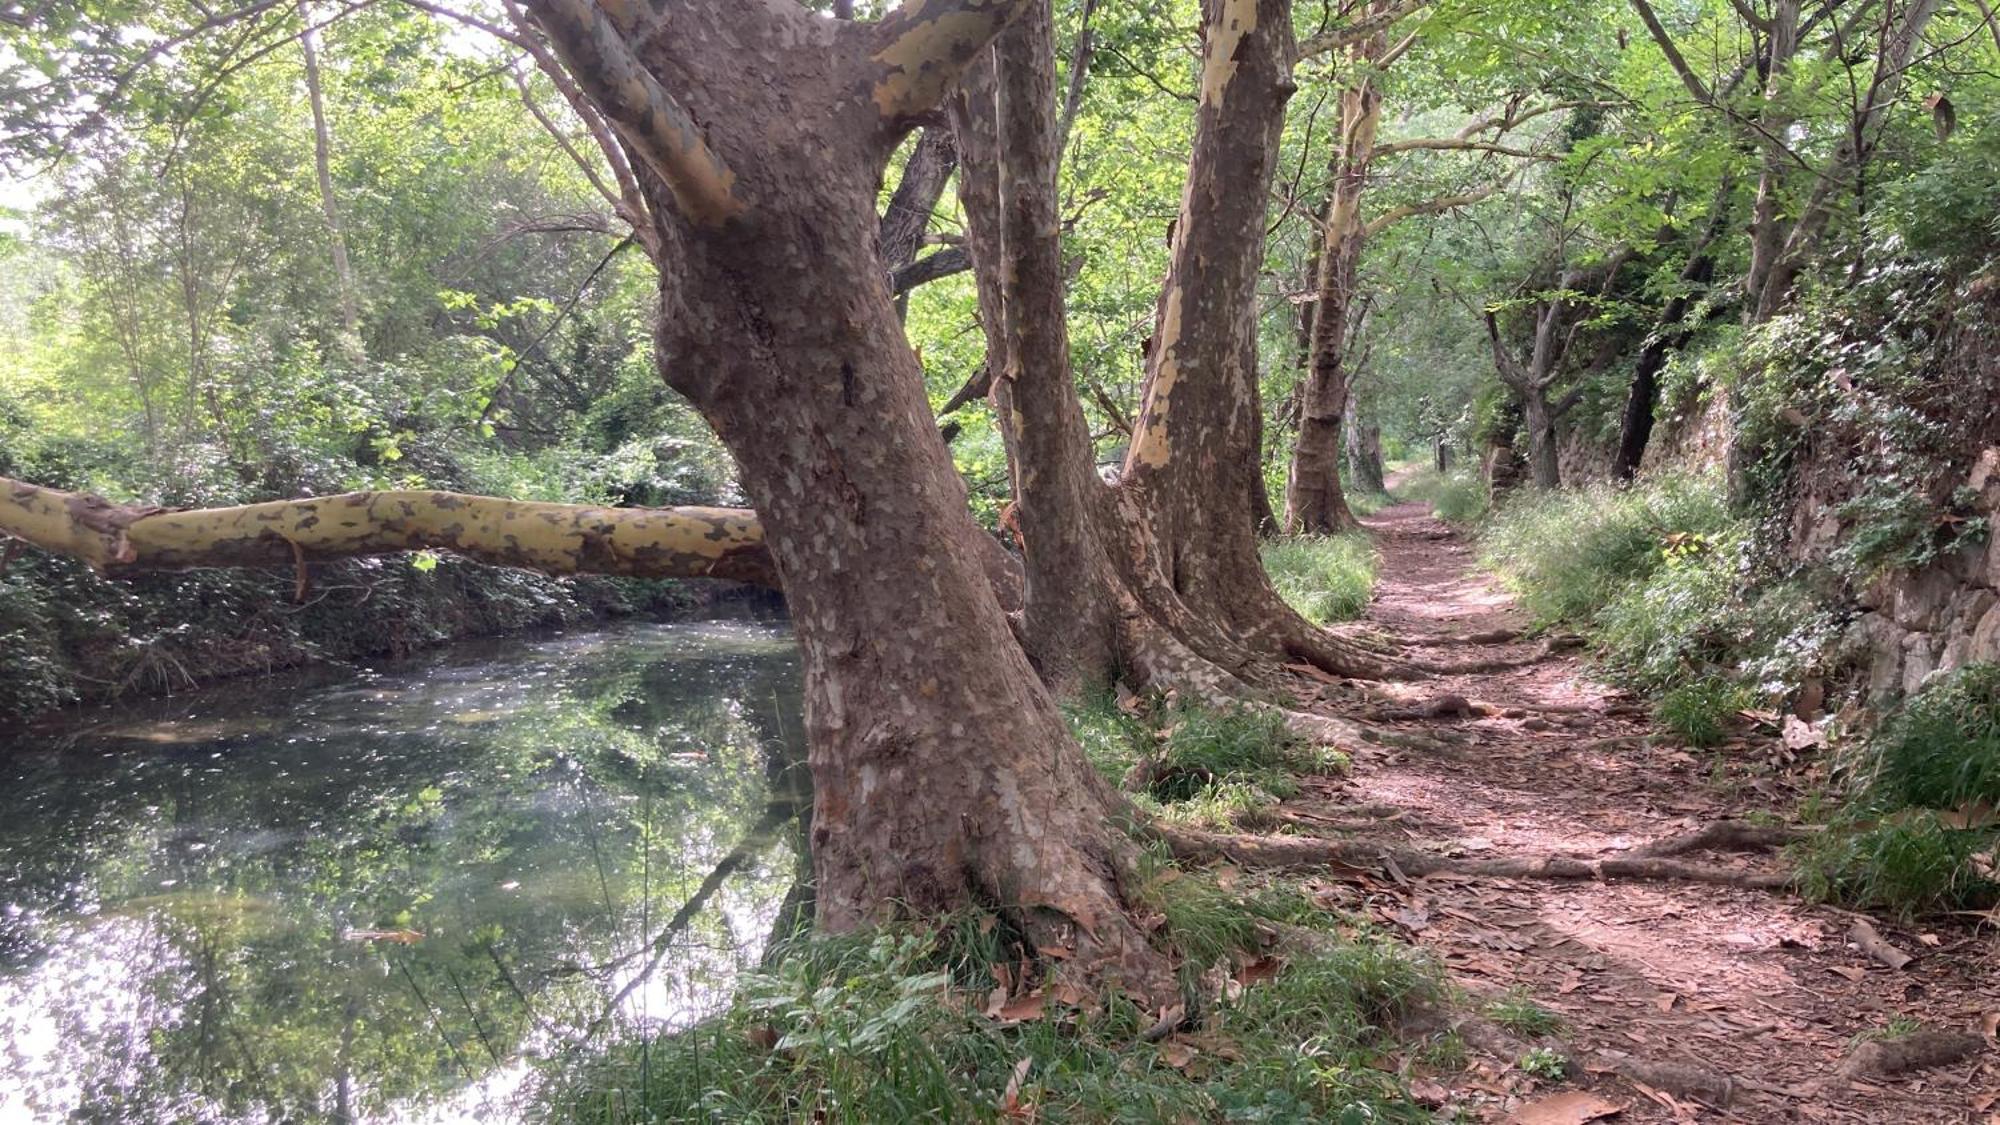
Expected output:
(115, 539)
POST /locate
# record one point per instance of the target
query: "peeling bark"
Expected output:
(552, 538)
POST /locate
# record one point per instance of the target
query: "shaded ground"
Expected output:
(1755, 986)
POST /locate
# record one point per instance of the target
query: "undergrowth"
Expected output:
(1919, 833)
(1326, 578)
(1458, 496)
(1662, 578)
(895, 1026)
(1205, 767)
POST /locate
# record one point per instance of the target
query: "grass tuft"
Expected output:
(1702, 711)
(1459, 496)
(1518, 1013)
(1326, 578)
(1919, 834)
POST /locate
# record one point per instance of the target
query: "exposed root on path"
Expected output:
(1891, 1058)
(1306, 852)
(1721, 836)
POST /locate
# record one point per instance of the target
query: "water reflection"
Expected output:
(383, 897)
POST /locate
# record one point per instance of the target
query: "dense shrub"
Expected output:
(1458, 496)
(1570, 553)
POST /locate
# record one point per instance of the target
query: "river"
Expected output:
(393, 893)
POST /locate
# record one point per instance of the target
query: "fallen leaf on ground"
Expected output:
(1571, 1107)
(1020, 1009)
(1258, 971)
(1989, 1026)
(1010, 1102)
(1972, 814)
(1177, 1054)
(1849, 971)
(1665, 1001)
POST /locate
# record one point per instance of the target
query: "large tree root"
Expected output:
(1891, 1058)
(1722, 835)
(1294, 852)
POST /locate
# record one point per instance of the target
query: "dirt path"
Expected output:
(1754, 986)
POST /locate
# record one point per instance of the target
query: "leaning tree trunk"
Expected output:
(944, 775)
(1193, 454)
(1315, 503)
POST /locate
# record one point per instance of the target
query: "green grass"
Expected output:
(1326, 578)
(1456, 497)
(1916, 834)
(1701, 712)
(881, 1028)
(1570, 553)
(1519, 1013)
(1211, 768)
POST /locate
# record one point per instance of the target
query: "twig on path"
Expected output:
(1864, 937)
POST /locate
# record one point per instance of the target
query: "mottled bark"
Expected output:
(552, 538)
(1315, 503)
(944, 775)
(1005, 118)
(1364, 449)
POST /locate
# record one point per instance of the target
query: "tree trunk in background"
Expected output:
(1767, 224)
(1157, 578)
(1539, 418)
(1635, 429)
(907, 218)
(343, 271)
(1314, 501)
(1364, 449)
(1004, 116)
(1193, 454)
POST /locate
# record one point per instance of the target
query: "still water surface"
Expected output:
(396, 893)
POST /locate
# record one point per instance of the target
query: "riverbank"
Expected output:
(68, 636)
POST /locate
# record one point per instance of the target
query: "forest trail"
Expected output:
(1705, 984)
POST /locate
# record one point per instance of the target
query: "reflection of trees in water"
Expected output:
(545, 854)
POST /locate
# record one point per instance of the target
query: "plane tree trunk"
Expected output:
(1315, 503)
(944, 775)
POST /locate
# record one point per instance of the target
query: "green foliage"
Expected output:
(1917, 834)
(1545, 1063)
(1663, 579)
(871, 1029)
(1568, 554)
(1456, 497)
(1326, 578)
(1942, 749)
(1701, 711)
